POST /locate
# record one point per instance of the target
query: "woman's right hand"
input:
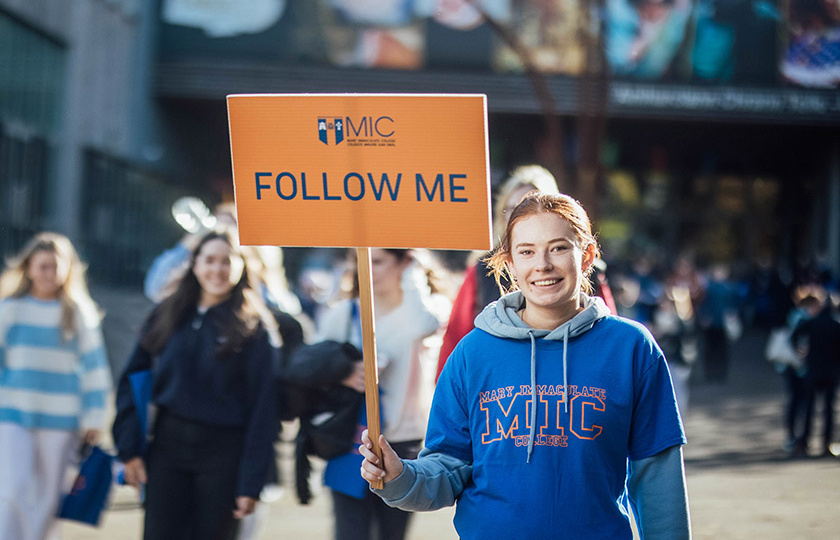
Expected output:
(372, 470)
(135, 472)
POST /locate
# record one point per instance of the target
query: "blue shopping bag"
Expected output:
(141, 393)
(90, 491)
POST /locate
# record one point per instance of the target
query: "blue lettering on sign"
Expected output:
(379, 129)
(327, 196)
(438, 184)
(453, 188)
(384, 180)
(368, 127)
(362, 126)
(287, 186)
(294, 186)
(361, 186)
(260, 185)
(303, 189)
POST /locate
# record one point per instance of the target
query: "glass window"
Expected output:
(31, 75)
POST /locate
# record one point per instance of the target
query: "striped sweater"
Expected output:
(46, 381)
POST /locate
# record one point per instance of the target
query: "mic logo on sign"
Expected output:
(357, 131)
(330, 123)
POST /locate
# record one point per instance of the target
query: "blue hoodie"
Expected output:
(559, 470)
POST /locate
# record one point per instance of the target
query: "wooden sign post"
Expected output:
(363, 171)
(363, 261)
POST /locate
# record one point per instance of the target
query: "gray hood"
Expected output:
(500, 319)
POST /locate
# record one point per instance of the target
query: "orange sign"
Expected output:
(361, 170)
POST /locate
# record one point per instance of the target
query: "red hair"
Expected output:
(536, 203)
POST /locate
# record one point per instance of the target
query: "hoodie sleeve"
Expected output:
(657, 491)
(127, 430)
(656, 423)
(432, 481)
(260, 427)
(448, 429)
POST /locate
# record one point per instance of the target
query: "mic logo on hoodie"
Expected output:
(507, 412)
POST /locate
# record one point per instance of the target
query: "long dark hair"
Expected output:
(237, 324)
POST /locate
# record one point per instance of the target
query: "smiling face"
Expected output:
(548, 263)
(46, 274)
(218, 269)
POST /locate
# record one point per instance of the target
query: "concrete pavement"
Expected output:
(741, 485)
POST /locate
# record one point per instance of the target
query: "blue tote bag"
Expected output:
(141, 393)
(89, 494)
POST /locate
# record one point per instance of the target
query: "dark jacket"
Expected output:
(328, 411)
(291, 332)
(193, 382)
(822, 334)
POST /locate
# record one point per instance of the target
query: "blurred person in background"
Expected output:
(685, 278)
(606, 438)
(211, 346)
(772, 294)
(781, 352)
(719, 321)
(191, 214)
(54, 379)
(195, 218)
(266, 268)
(673, 328)
(639, 290)
(407, 317)
(317, 283)
(817, 340)
(265, 264)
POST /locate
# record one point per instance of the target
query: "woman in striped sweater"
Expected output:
(54, 378)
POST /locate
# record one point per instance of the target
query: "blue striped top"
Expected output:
(47, 381)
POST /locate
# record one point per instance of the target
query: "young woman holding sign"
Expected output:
(603, 395)
(212, 348)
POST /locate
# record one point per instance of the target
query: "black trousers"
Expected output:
(192, 476)
(795, 408)
(716, 355)
(370, 518)
(827, 388)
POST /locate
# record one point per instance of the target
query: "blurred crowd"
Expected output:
(696, 313)
(216, 301)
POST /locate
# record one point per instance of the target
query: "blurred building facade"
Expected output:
(76, 132)
(713, 124)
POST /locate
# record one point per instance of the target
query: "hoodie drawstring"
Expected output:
(533, 396)
(565, 371)
(534, 386)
